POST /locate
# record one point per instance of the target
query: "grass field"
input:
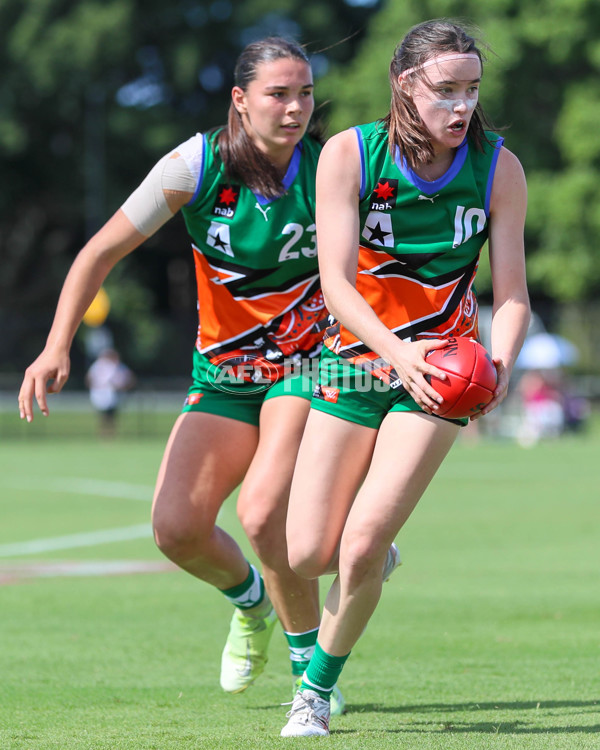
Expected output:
(487, 637)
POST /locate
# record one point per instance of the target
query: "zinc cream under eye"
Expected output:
(451, 104)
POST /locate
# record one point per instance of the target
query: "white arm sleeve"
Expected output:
(178, 171)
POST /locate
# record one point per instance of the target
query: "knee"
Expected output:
(177, 534)
(263, 520)
(306, 560)
(172, 537)
(361, 559)
(256, 519)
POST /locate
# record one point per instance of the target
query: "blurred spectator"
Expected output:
(549, 408)
(106, 379)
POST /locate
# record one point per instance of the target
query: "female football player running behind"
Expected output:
(246, 192)
(404, 206)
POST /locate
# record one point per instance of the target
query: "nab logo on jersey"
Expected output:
(383, 197)
(226, 203)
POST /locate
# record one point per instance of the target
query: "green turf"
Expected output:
(487, 637)
(143, 422)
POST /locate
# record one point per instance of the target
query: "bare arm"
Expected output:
(511, 309)
(338, 176)
(116, 239)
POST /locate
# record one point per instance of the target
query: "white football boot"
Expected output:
(308, 717)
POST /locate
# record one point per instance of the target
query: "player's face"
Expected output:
(277, 106)
(446, 99)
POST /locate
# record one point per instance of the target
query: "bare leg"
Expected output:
(332, 462)
(262, 508)
(410, 448)
(204, 461)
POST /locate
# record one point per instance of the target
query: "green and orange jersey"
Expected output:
(420, 244)
(259, 293)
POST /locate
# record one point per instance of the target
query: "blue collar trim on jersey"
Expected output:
(431, 187)
(290, 175)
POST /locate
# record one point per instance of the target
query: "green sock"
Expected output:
(301, 646)
(248, 594)
(323, 672)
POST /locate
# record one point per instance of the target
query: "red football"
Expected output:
(471, 377)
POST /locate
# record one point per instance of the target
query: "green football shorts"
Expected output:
(222, 390)
(355, 395)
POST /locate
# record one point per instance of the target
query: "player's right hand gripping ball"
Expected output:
(471, 377)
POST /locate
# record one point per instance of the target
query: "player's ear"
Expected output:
(404, 86)
(238, 97)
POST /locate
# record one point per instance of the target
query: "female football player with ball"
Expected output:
(404, 206)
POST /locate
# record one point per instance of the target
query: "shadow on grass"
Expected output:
(464, 727)
(473, 706)
(510, 727)
(484, 727)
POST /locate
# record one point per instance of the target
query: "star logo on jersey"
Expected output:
(384, 190)
(226, 202)
(228, 195)
(378, 229)
(383, 197)
(218, 237)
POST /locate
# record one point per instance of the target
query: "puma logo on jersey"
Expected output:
(427, 198)
(263, 210)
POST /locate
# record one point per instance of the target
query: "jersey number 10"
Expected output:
(463, 224)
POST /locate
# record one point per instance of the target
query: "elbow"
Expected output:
(333, 297)
(329, 303)
(525, 305)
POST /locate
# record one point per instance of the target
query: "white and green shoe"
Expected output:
(245, 653)
(336, 702)
(392, 561)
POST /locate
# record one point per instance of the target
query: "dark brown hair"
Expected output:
(243, 161)
(423, 42)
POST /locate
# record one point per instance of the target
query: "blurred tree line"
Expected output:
(93, 92)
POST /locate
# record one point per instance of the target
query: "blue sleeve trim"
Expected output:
(490, 182)
(361, 151)
(201, 175)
